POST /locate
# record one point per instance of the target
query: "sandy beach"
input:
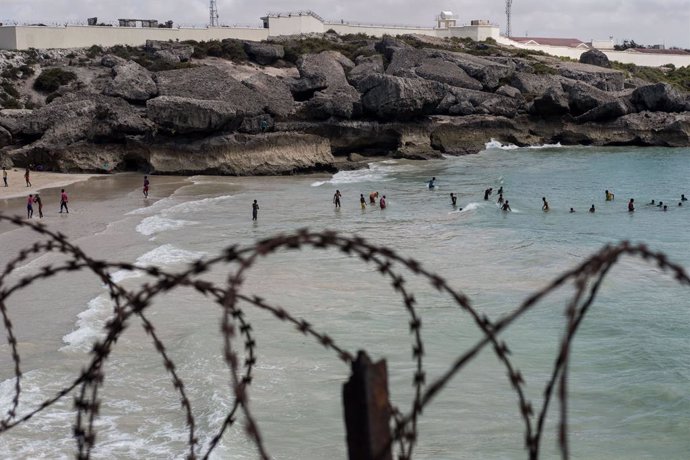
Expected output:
(40, 181)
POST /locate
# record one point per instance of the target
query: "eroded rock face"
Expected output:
(276, 93)
(132, 82)
(599, 77)
(583, 97)
(430, 65)
(5, 137)
(212, 84)
(365, 66)
(389, 96)
(185, 115)
(660, 97)
(553, 102)
(264, 53)
(595, 57)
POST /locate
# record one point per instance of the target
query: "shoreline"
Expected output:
(40, 182)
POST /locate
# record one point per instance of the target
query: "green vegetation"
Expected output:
(52, 79)
(94, 51)
(232, 50)
(9, 89)
(145, 59)
(9, 102)
(52, 96)
(542, 69)
(678, 77)
(350, 46)
(15, 73)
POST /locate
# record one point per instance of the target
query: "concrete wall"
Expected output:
(294, 25)
(8, 39)
(85, 36)
(625, 57)
(377, 31)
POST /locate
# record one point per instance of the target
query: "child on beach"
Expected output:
(30, 207)
(63, 201)
(37, 200)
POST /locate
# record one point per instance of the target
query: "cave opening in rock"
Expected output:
(134, 164)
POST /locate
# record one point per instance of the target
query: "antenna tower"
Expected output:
(213, 9)
(509, 4)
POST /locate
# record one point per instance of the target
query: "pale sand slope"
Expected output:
(39, 181)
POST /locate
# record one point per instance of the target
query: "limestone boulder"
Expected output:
(533, 84)
(660, 97)
(132, 82)
(583, 97)
(509, 91)
(465, 102)
(600, 77)
(5, 137)
(595, 57)
(366, 65)
(14, 120)
(554, 102)
(176, 52)
(606, 112)
(212, 84)
(389, 96)
(167, 56)
(264, 53)
(490, 73)
(318, 72)
(279, 101)
(334, 101)
(185, 115)
(388, 45)
(110, 60)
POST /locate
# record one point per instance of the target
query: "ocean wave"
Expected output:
(195, 206)
(377, 172)
(494, 144)
(156, 224)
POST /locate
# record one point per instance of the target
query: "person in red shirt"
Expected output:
(63, 201)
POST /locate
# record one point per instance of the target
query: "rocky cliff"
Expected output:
(313, 104)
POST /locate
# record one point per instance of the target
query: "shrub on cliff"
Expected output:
(52, 79)
(229, 48)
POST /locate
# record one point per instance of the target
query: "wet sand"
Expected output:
(40, 181)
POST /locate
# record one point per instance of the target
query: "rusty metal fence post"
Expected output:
(367, 410)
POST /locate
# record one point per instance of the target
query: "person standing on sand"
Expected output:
(30, 207)
(362, 201)
(26, 177)
(255, 210)
(4, 176)
(37, 200)
(63, 201)
(336, 198)
(146, 186)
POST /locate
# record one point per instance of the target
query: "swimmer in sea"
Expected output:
(592, 209)
(631, 205)
(682, 198)
(665, 208)
(486, 194)
(500, 190)
(372, 197)
(432, 183)
(362, 201)
(572, 210)
(651, 203)
(609, 195)
(500, 198)
(545, 206)
(336, 198)
(660, 205)
(382, 202)
(680, 203)
(454, 199)
(506, 206)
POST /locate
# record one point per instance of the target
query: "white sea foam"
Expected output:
(157, 224)
(195, 206)
(494, 144)
(377, 172)
(155, 207)
(90, 322)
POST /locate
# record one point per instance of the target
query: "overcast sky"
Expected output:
(645, 21)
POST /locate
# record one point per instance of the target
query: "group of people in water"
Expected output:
(35, 198)
(609, 196)
(373, 196)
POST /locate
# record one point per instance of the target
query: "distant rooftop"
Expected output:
(570, 42)
(657, 51)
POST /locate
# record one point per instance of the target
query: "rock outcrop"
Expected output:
(595, 57)
(252, 117)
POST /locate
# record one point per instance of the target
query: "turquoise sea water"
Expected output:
(630, 374)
